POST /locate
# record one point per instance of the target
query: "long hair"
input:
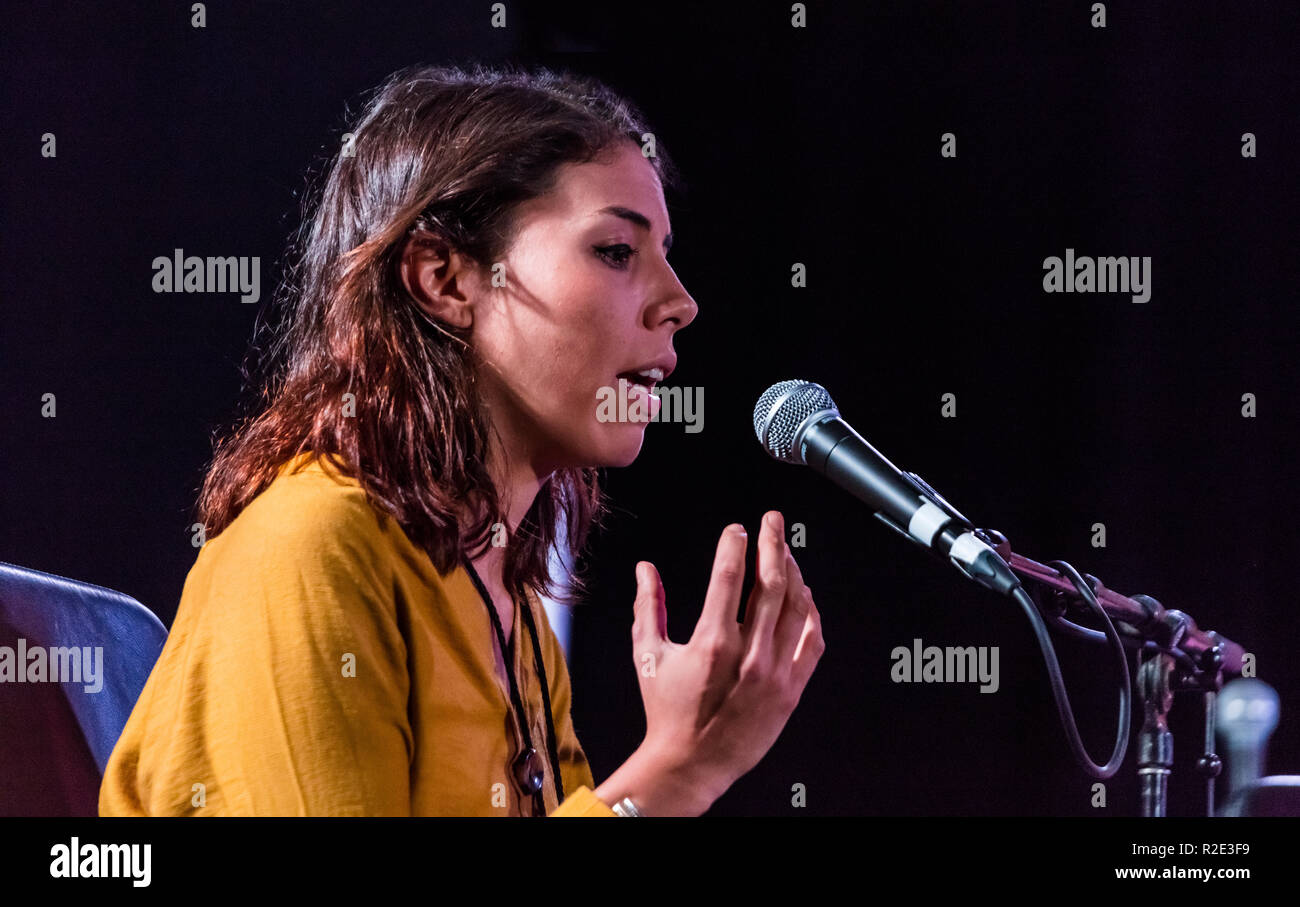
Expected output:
(358, 371)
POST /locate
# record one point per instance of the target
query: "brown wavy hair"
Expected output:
(452, 151)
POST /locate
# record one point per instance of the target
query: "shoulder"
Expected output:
(310, 506)
(311, 539)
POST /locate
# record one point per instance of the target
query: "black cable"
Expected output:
(1062, 698)
(551, 745)
(515, 698)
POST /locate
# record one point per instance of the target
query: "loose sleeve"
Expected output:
(583, 804)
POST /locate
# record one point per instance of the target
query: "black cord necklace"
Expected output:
(527, 766)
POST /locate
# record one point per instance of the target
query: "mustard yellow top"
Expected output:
(319, 665)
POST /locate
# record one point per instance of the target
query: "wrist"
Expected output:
(659, 785)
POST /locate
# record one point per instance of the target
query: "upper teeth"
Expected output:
(654, 374)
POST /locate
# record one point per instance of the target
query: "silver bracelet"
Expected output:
(626, 808)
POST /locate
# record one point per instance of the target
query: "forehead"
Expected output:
(621, 177)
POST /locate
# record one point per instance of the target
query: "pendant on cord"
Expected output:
(529, 771)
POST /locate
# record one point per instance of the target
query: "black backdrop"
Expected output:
(818, 145)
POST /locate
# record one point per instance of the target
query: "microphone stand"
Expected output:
(1175, 656)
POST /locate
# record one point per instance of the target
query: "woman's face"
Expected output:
(589, 296)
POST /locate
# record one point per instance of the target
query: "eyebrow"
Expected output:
(637, 218)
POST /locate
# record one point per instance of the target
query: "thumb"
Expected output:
(650, 624)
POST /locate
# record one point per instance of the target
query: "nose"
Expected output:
(674, 304)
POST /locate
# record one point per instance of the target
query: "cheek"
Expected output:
(584, 342)
(553, 358)
(567, 338)
(581, 380)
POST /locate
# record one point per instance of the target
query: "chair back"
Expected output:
(73, 660)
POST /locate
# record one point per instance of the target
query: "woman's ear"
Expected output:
(438, 278)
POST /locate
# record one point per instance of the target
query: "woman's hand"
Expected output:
(715, 705)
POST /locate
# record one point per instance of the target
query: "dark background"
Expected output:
(817, 145)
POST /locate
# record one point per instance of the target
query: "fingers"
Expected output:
(650, 616)
(794, 613)
(765, 601)
(722, 601)
(811, 647)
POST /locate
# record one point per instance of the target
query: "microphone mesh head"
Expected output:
(782, 411)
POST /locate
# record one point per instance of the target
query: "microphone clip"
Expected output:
(927, 490)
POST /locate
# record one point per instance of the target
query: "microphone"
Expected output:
(798, 422)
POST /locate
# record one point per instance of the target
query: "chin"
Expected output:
(622, 447)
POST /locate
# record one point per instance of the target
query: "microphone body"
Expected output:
(797, 422)
(833, 448)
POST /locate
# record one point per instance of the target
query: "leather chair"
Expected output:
(56, 737)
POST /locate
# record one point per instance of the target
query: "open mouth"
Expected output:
(647, 378)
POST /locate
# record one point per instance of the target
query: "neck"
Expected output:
(517, 483)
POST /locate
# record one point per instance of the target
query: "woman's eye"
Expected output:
(616, 256)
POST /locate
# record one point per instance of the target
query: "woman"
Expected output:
(361, 633)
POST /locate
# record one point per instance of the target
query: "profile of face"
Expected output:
(588, 298)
